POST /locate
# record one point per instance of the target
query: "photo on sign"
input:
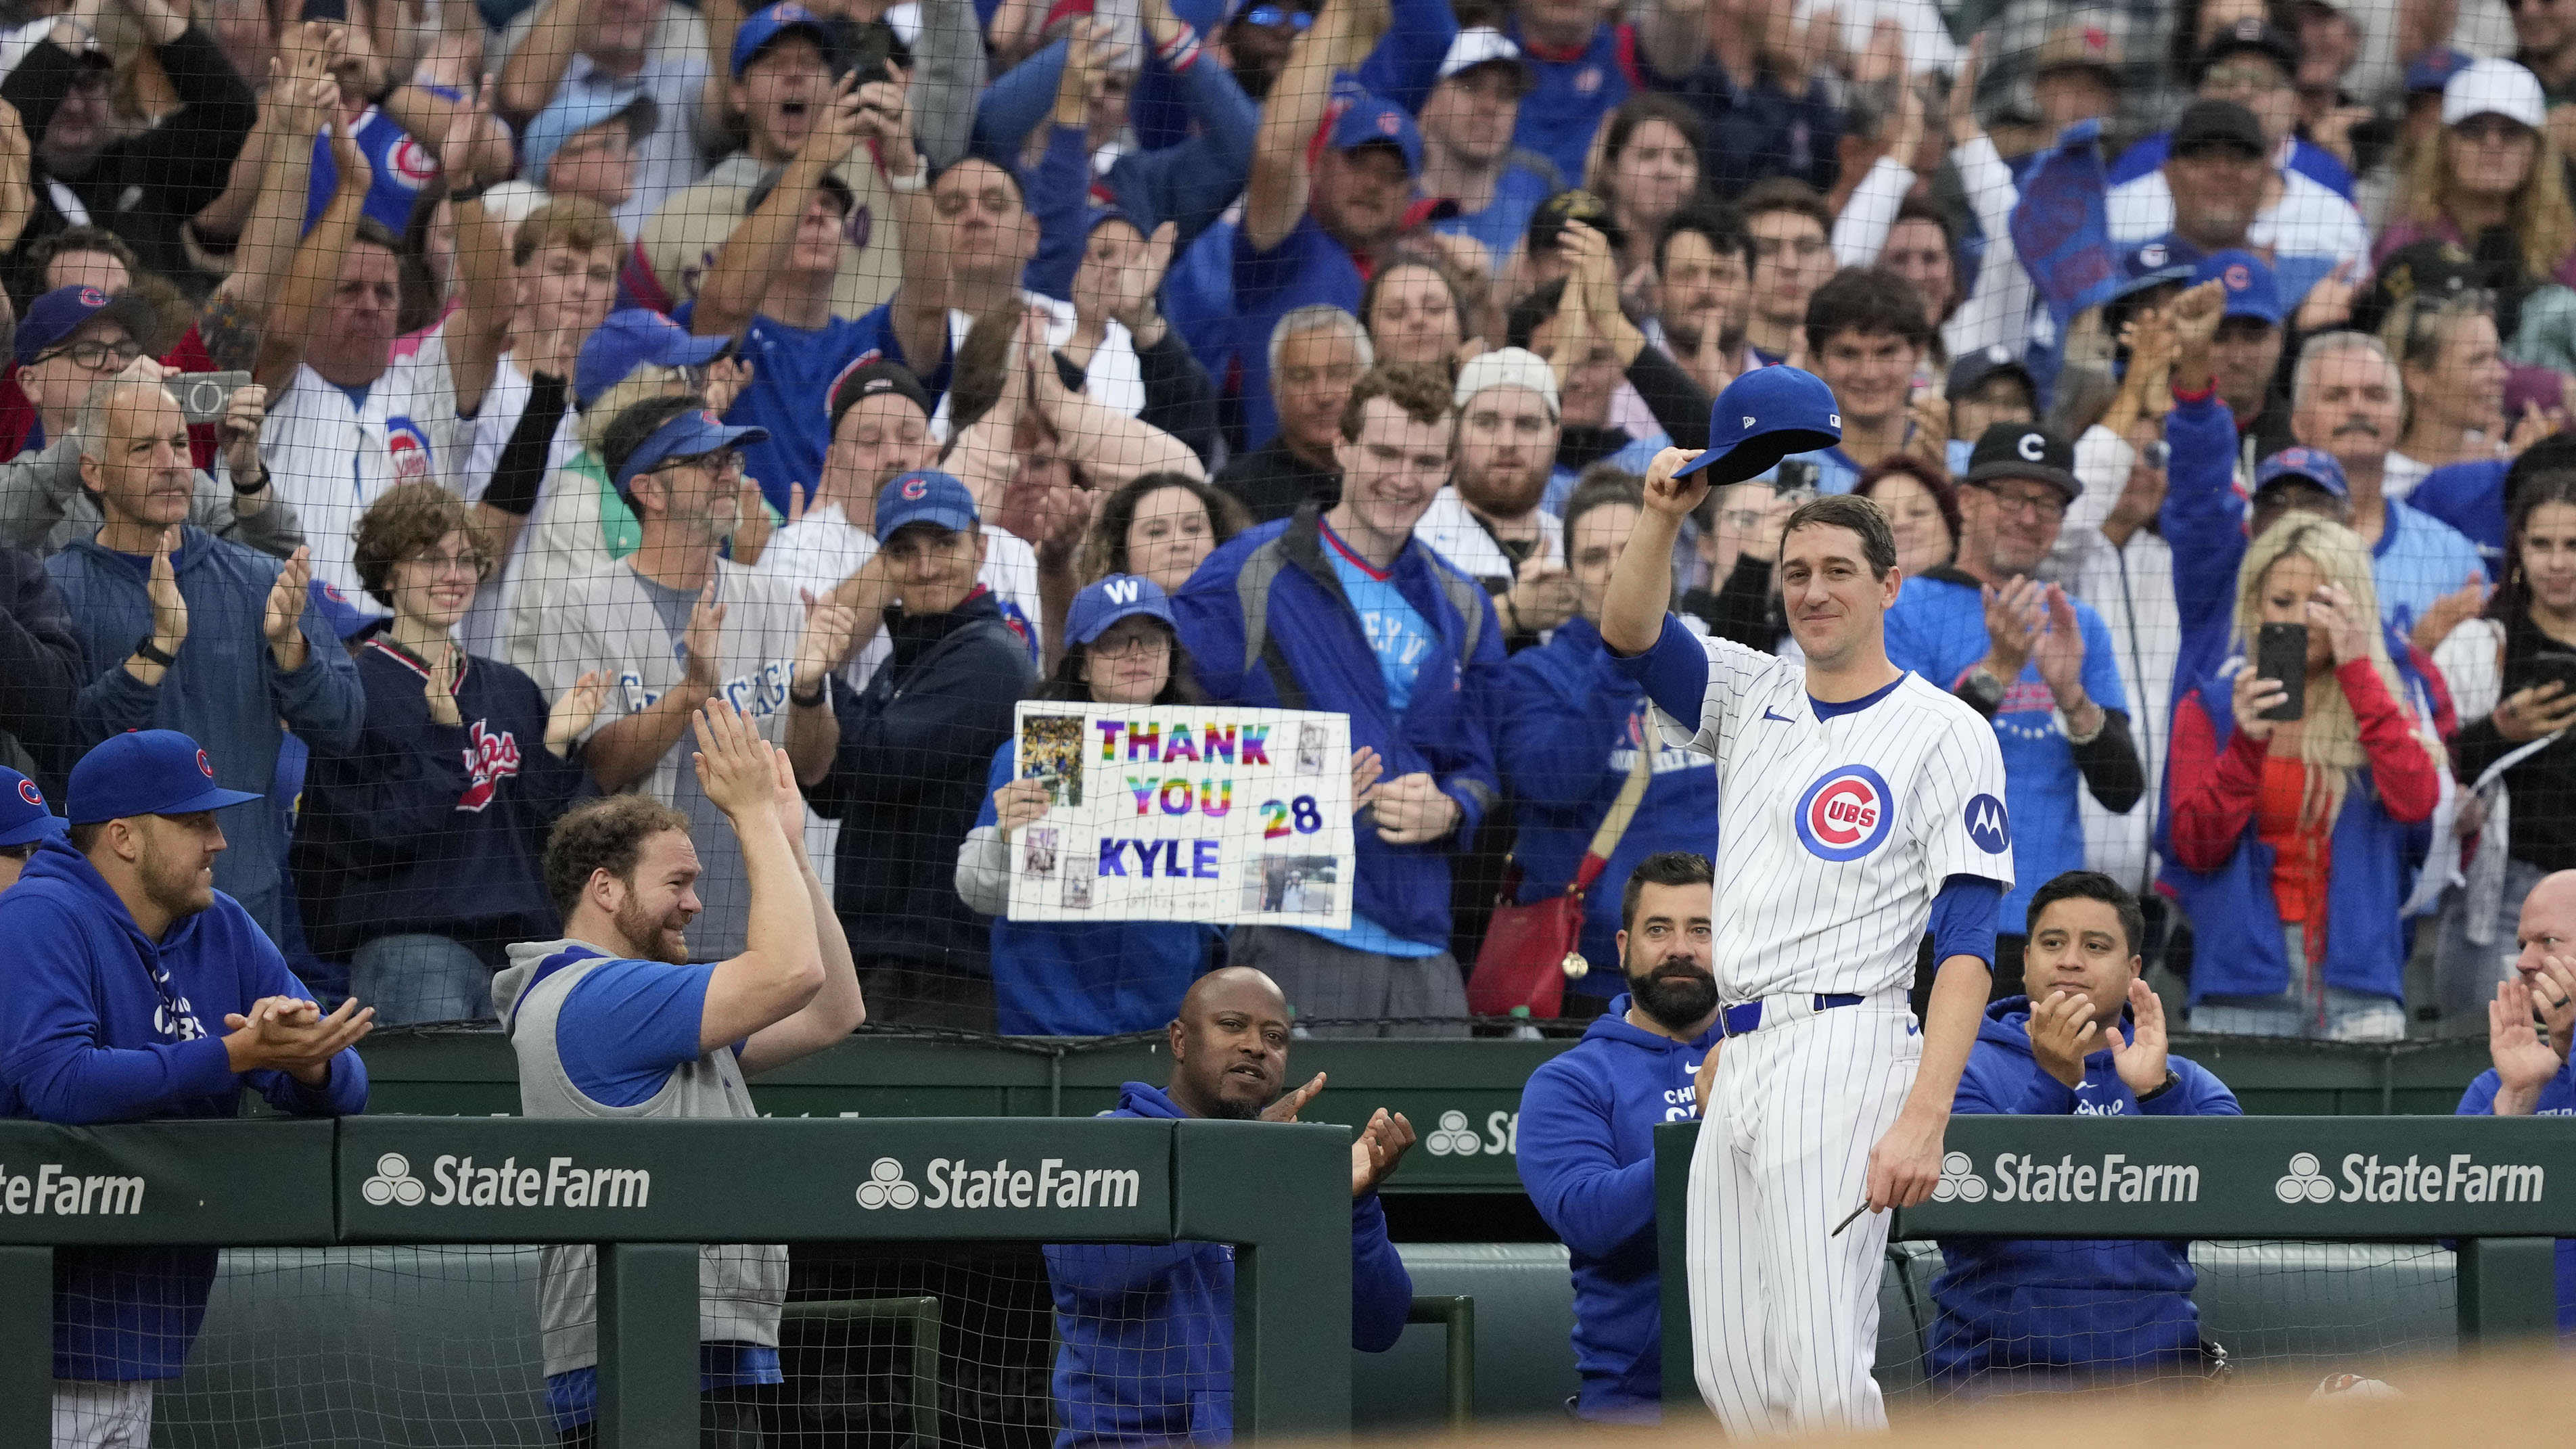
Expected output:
(1051, 752)
(1078, 874)
(1037, 852)
(1293, 885)
(1311, 742)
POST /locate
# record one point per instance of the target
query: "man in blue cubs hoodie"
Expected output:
(2016, 1315)
(2531, 1077)
(138, 991)
(1146, 1334)
(1587, 1133)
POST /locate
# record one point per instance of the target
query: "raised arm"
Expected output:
(529, 77)
(299, 93)
(780, 969)
(739, 277)
(837, 1008)
(315, 271)
(1281, 174)
(1641, 585)
(1673, 36)
(481, 331)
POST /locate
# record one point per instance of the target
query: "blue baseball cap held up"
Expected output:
(24, 817)
(692, 434)
(925, 495)
(2307, 465)
(2251, 292)
(147, 772)
(1762, 417)
(631, 339)
(1119, 596)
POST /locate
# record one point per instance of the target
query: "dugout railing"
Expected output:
(648, 1193)
(2501, 1190)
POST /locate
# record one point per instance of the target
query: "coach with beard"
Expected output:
(1587, 1133)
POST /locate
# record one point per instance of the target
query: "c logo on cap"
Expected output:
(711, 419)
(1387, 125)
(205, 766)
(2238, 279)
(28, 792)
(2152, 255)
(916, 488)
(92, 297)
(2032, 447)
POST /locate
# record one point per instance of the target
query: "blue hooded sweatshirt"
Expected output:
(1267, 624)
(2557, 1099)
(1571, 728)
(1587, 1157)
(99, 1024)
(2110, 1307)
(1146, 1334)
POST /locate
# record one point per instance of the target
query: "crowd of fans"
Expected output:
(426, 408)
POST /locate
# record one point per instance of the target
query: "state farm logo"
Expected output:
(1959, 1181)
(393, 1183)
(2458, 1178)
(1454, 1138)
(958, 1183)
(885, 1187)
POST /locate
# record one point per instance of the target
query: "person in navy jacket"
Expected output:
(140, 992)
(419, 855)
(2531, 1077)
(2021, 1314)
(1347, 610)
(1587, 1133)
(1569, 734)
(1145, 1335)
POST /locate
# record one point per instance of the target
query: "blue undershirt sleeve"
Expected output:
(1963, 919)
(628, 1025)
(1674, 672)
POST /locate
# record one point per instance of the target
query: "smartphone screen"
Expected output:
(2281, 652)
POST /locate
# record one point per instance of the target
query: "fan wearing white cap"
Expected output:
(2492, 166)
(1467, 151)
(1488, 522)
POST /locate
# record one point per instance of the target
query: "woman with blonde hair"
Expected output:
(2295, 841)
(2490, 180)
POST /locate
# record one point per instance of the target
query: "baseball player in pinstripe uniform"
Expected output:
(1858, 803)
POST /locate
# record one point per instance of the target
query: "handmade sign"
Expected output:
(1185, 813)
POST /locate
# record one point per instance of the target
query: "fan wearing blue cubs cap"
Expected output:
(1863, 806)
(1076, 978)
(674, 624)
(906, 769)
(138, 992)
(26, 822)
(2245, 352)
(1307, 223)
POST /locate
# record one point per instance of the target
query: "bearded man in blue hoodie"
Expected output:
(2088, 1040)
(127, 960)
(1587, 1133)
(1146, 1334)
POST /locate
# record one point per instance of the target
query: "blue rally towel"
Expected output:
(2061, 228)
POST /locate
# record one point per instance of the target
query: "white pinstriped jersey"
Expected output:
(1835, 834)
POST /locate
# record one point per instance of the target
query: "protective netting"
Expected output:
(1996, 1319)
(879, 1349)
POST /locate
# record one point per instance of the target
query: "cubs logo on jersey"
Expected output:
(410, 163)
(407, 449)
(1846, 814)
(489, 759)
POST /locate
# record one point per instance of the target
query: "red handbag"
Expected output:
(1531, 951)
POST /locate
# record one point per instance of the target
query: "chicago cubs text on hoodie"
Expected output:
(99, 1024)
(1587, 1157)
(1147, 1334)
(2109, 1308)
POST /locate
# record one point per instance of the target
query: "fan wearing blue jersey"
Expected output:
(615, 1022)
(2531, 1077)
(1861, 806)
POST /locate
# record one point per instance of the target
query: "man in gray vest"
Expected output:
(613, 1022)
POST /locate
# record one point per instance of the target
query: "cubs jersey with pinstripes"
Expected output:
(1837, 824)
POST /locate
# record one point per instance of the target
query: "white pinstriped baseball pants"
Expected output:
(1784, 1316)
